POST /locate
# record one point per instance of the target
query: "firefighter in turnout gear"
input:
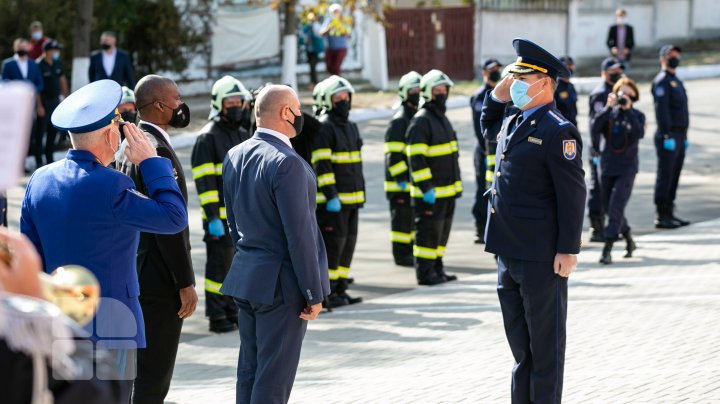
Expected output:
(435, 173)
(222, 132)
(397, 171)
(341, 187)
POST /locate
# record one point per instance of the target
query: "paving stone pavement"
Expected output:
(643, 330)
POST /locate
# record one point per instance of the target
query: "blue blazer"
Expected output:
(77, 211)
(270, 201)
(122, 73)
(537, 199)
(11, 71)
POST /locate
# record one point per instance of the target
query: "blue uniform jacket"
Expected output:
(476, 104)
(537, 198)
(270, 203)
(77, 211)
(11, 71)
(671, 106)
(122, 72)
(566, 99)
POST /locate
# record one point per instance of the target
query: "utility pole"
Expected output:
(81, 43)
(289, 48)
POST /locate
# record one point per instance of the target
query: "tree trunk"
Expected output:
(81, 43)
(289, 48)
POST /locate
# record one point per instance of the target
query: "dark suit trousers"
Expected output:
(479, 209)
(271, 337)
(533, 300)
(156, 362)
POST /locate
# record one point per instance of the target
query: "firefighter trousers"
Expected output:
(339, 232)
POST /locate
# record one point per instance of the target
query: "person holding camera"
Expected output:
(615, 133)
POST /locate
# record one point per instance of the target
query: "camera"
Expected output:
(622, 99)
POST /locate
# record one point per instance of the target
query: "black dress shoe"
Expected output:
(679, 222)
(665, 223)
(350, 299)
(433, 280)
(597, 237)
(479, 239)
(223, 325)
(335, 300)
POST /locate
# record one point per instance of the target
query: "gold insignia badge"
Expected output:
(563, 94)
(534, 140)
(673, 84)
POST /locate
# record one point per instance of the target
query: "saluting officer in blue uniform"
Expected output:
(79, 211)
(535, 223)
(671, 115)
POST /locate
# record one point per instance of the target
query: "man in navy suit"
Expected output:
(279, 274)
(79, 211)
(21, 67)
(535, 223)
(111, 63)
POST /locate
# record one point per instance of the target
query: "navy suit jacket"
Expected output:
(270, 201)
(122, 72)
(537, 198)
(11, 71)
(78, 212)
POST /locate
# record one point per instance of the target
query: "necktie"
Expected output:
(516, 125)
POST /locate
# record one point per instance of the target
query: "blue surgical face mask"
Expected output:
(519, 93)
(56, 56)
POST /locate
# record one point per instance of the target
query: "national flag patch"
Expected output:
(569, 149)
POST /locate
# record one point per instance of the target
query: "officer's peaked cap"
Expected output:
(90, 108)
(532, 58)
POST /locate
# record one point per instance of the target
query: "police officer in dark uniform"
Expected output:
(55, 86)
(338, 166)
(536, 216)
(222, 133)
(611, 72)
(616, 131)
(397, 171)
(435, 174)
(565, 94)
(671, 115)
(491, 76)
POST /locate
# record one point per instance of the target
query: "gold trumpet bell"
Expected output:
(73, 289)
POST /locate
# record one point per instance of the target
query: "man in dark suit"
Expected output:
(279, 274)
(621, 40)
(535, 223)
(165, 273)
(111, 63)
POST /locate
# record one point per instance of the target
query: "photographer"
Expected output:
(615, 132)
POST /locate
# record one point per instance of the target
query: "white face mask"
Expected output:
(621, 20)
(118, 153)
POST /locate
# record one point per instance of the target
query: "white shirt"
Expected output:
(165, 134)
(109, 61)
(22, 65)
(277, 134)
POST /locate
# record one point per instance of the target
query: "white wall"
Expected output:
(672, 19)
(498, 29)
(706, 15)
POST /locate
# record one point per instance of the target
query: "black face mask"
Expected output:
(234, 115)
(413, 100)
(341, 109)
(22, 53)
(673, 62)
(180, 117)
(105, 46)
(298, 123)
(494, 76)
(439, 101)
(613, 78)
(128, 116)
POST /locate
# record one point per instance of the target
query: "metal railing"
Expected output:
(525, 5)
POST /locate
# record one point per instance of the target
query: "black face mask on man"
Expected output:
(297, 124)
(22, 53)
(494, 76)
(413, 99)
(673, 62)
(180, 117)
(129, 116)
(341, 109)
(614, 77)
(105, 46)
(439, 100)
(234, 114)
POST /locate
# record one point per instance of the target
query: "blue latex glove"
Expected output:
(669, 144)
(216, 228)
(402, 185)
(687, 144)
(429, 196)
(333, 205)
(595, 160)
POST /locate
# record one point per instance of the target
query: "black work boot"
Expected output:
(675, 219)
(440, 270)
(663, 220)
(606, 258)
(597, 230)
(430, 278)
(630, 245)
(479, 235)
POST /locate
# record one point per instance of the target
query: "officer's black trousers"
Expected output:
(339, 232)
(596, 210)
(432, 231)
(401, 224)
(220, 253)
(156, 362)
(616, 194)
(533, 300)
(50, 130)
(479, 209)
(670, 164)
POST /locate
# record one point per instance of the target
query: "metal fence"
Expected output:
(525, 5)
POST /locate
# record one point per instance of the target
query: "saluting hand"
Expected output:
(502, 90)
(311, 312)
(564, 264)
(139, 147)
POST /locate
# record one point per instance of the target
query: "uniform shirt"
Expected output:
(671, 105)
(537, 199)
(396, 162)
(615, 133)
(22, 65)
(162, 132)
(51, 77)
(566, 99)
